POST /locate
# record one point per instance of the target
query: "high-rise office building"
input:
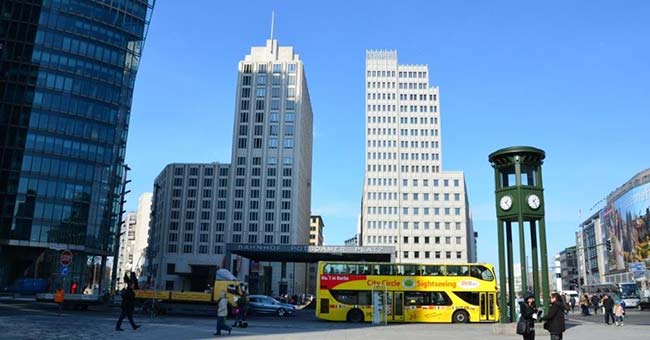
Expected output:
(127, 242)
(188, 230)
(143, 217)
(67, 72)
(408, 200)
(271, 156)
(133, 240)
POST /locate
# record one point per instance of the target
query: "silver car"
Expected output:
(264, 304)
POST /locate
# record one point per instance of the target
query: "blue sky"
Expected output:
(570, 77)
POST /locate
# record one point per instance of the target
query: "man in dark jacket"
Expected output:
(128, 304)
(595, 301)
(608, 303)
(554, 321)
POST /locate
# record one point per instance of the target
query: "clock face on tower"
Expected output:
(534, 202)
(505, 203)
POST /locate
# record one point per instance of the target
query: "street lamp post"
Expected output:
(118, 233)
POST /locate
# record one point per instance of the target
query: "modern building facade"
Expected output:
(127, 242)
(272, 158)
(591, 251)
(566, 271)
(67, 72)
(316, 226)
(143, 218)
(262, 197)
(618, 235)
(352, 241)
(408, 200)
(134, 234)
(188, 229)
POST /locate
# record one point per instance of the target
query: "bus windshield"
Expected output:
(629, 291)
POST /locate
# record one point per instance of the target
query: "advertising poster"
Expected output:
(626, 222)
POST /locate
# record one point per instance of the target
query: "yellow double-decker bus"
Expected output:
(459, 293)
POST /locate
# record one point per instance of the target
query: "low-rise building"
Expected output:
(316, 226)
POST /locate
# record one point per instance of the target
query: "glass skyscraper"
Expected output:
(67, 72)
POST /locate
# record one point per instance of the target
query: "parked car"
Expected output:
(263, 304)
(643, 304)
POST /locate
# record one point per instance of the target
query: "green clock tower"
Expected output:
(520, 200)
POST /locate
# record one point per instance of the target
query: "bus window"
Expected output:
(411, 270)
(336, 268)
(426, 299)
(481, 273)
(385, 269)
(469, 297)
(350, 297)
(363, 269)
(434, 270)
(352, 269)
(416, 298)
(457, 270)
(440, 299)
(347, 297)
(398, 269)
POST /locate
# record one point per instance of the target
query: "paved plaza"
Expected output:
(39, 321)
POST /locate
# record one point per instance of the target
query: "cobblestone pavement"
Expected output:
(19, 321)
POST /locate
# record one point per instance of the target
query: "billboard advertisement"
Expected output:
(626, 222)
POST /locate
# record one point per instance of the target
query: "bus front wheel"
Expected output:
(355, 316)
(460, 316)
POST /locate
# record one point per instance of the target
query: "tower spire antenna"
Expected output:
(272, 23)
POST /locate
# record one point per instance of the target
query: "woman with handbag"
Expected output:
(526, 324)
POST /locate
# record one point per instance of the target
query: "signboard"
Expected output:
(309, 249)
(626, 226)
(66, 258)
(65, 270)
(637, 268)
(149, 294)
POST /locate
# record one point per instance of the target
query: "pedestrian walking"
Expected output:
(222, 313)
(242, 310)
(59, 299)
(584, 305)
(619, 312)
(595, 303)
(128, 304)
(528, 317)
(608, 306)
(554, 321)
(572, 302)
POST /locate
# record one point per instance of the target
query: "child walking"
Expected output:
(619, 312)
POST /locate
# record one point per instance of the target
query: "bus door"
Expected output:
(398, 306)
(487, 302)
(492, 306)
(483, 306)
